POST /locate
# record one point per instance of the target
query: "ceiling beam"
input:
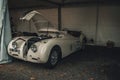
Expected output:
(52, 2)
(39, 4)
(92, 2)
(49, 1)
(32, 7)
(56, 4)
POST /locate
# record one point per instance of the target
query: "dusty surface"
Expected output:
(94, 63)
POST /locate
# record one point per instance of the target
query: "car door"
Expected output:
(68, 44)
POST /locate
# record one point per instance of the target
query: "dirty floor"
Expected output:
(94, 63)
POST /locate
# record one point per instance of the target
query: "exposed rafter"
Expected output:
(13, 4)
(52, 2)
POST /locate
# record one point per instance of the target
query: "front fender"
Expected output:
(44, 49)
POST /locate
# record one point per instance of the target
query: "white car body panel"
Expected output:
(68, 45)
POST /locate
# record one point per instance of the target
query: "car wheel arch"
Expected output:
(57, 46)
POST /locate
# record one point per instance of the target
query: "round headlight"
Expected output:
(34, 48)
(14, 45)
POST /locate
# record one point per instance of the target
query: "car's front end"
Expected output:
(31, 49)
(16, 47)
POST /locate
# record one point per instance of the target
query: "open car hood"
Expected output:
(30, 15)
(38, 20)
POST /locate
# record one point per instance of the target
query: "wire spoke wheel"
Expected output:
(54, 57)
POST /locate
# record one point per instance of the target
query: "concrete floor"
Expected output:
(94, 63)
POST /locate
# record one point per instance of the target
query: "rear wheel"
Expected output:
(54, 58)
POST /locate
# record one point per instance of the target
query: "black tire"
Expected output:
(54, 57)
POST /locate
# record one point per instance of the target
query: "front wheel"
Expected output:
(54, 58)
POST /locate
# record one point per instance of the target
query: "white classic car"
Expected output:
(49, 47)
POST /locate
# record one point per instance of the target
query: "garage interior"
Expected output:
(97, 19)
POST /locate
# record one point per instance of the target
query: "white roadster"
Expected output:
(50, 46)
